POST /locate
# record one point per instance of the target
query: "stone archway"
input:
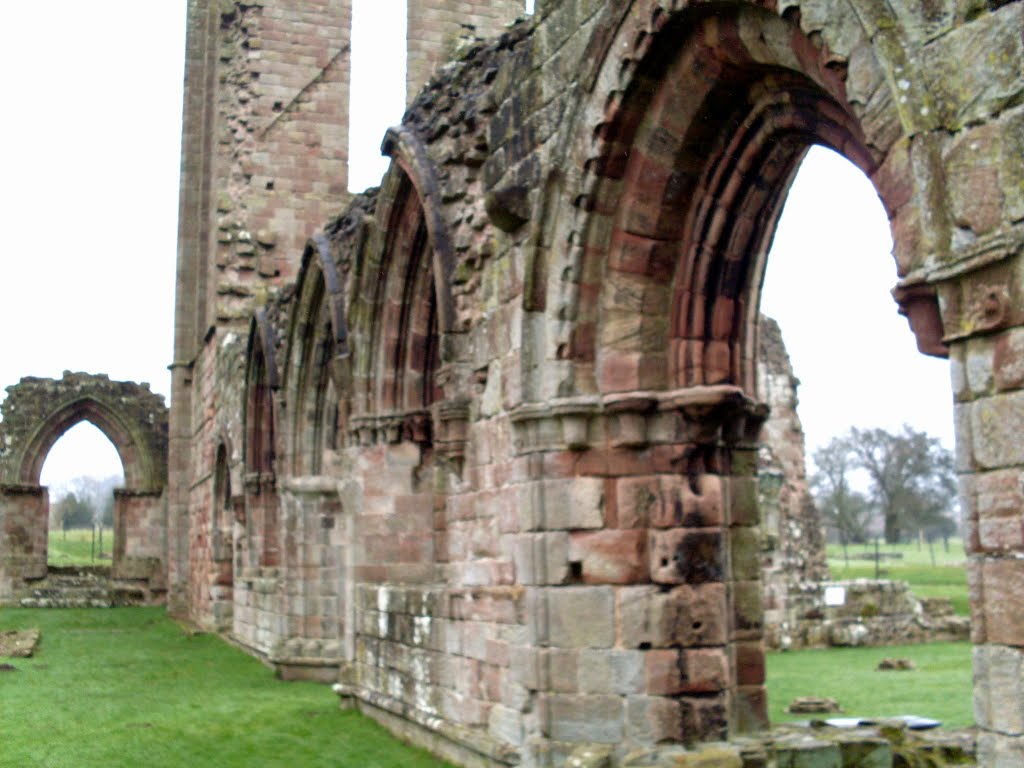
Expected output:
(36, 413)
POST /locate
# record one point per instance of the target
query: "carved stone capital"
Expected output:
(703, 415)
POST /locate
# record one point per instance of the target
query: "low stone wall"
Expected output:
(860, 612)
(815, 746)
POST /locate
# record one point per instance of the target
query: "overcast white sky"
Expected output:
(89, 154)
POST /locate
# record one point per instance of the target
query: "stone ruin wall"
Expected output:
(35, 414)
(793, 534)
(558, 544)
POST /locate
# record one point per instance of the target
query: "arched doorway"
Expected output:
(82, 472)
(36, 413)
(649, 280)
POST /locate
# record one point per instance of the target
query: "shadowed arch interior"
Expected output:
(693, 165)
(406, 327)
(259, 414)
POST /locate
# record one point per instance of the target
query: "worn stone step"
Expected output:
(89, 587)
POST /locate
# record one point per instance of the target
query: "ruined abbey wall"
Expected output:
(483, 447)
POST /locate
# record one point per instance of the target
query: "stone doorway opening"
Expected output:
(36, 414)
(863, 372)
(82, 473)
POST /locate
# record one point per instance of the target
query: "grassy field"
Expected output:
(74, 547)
(946, 578)
(939, 688)
(128, 687)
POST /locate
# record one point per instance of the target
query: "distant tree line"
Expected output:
(908, 480)
(84, 502)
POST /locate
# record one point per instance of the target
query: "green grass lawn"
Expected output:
(947, 578)
(128, 687)
(939, 688)
(75, 547)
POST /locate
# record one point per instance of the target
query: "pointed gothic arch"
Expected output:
(259, 417)
(36, 413)
(405, 307)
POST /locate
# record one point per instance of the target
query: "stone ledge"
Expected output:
(458, 744)
(636, 419)
(886, 745)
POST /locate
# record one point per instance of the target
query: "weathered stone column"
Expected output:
(988, 386)
(959, 242)
(639, 553)
(312, 565)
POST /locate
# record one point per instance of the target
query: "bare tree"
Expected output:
(844, 509)
(911, 478)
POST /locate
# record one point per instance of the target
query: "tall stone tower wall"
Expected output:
(435, 27)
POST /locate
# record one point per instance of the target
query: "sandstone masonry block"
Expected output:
(580, 617)
(610, 556)
(593, 719)
(1003, 580)
(999, 688)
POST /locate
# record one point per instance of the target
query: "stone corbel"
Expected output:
(574, 416)
(969, 296)
(716, 413)
(627, 427)
(450, 423)
(391, 428)
(704, 414)
(920, 305)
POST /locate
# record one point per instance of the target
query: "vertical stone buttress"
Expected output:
(435, 26)
(264, 164)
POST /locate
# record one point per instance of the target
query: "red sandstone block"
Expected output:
(641, 255)
(1001, 534)
(1003, 581)
(663, 672)
(750, 669)
(999, 493)
(610, 556)
(687, 556)
(638, 501)
(750, 708)
(704, 670)
(704, 718)
(618, 371)
(498, 653)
